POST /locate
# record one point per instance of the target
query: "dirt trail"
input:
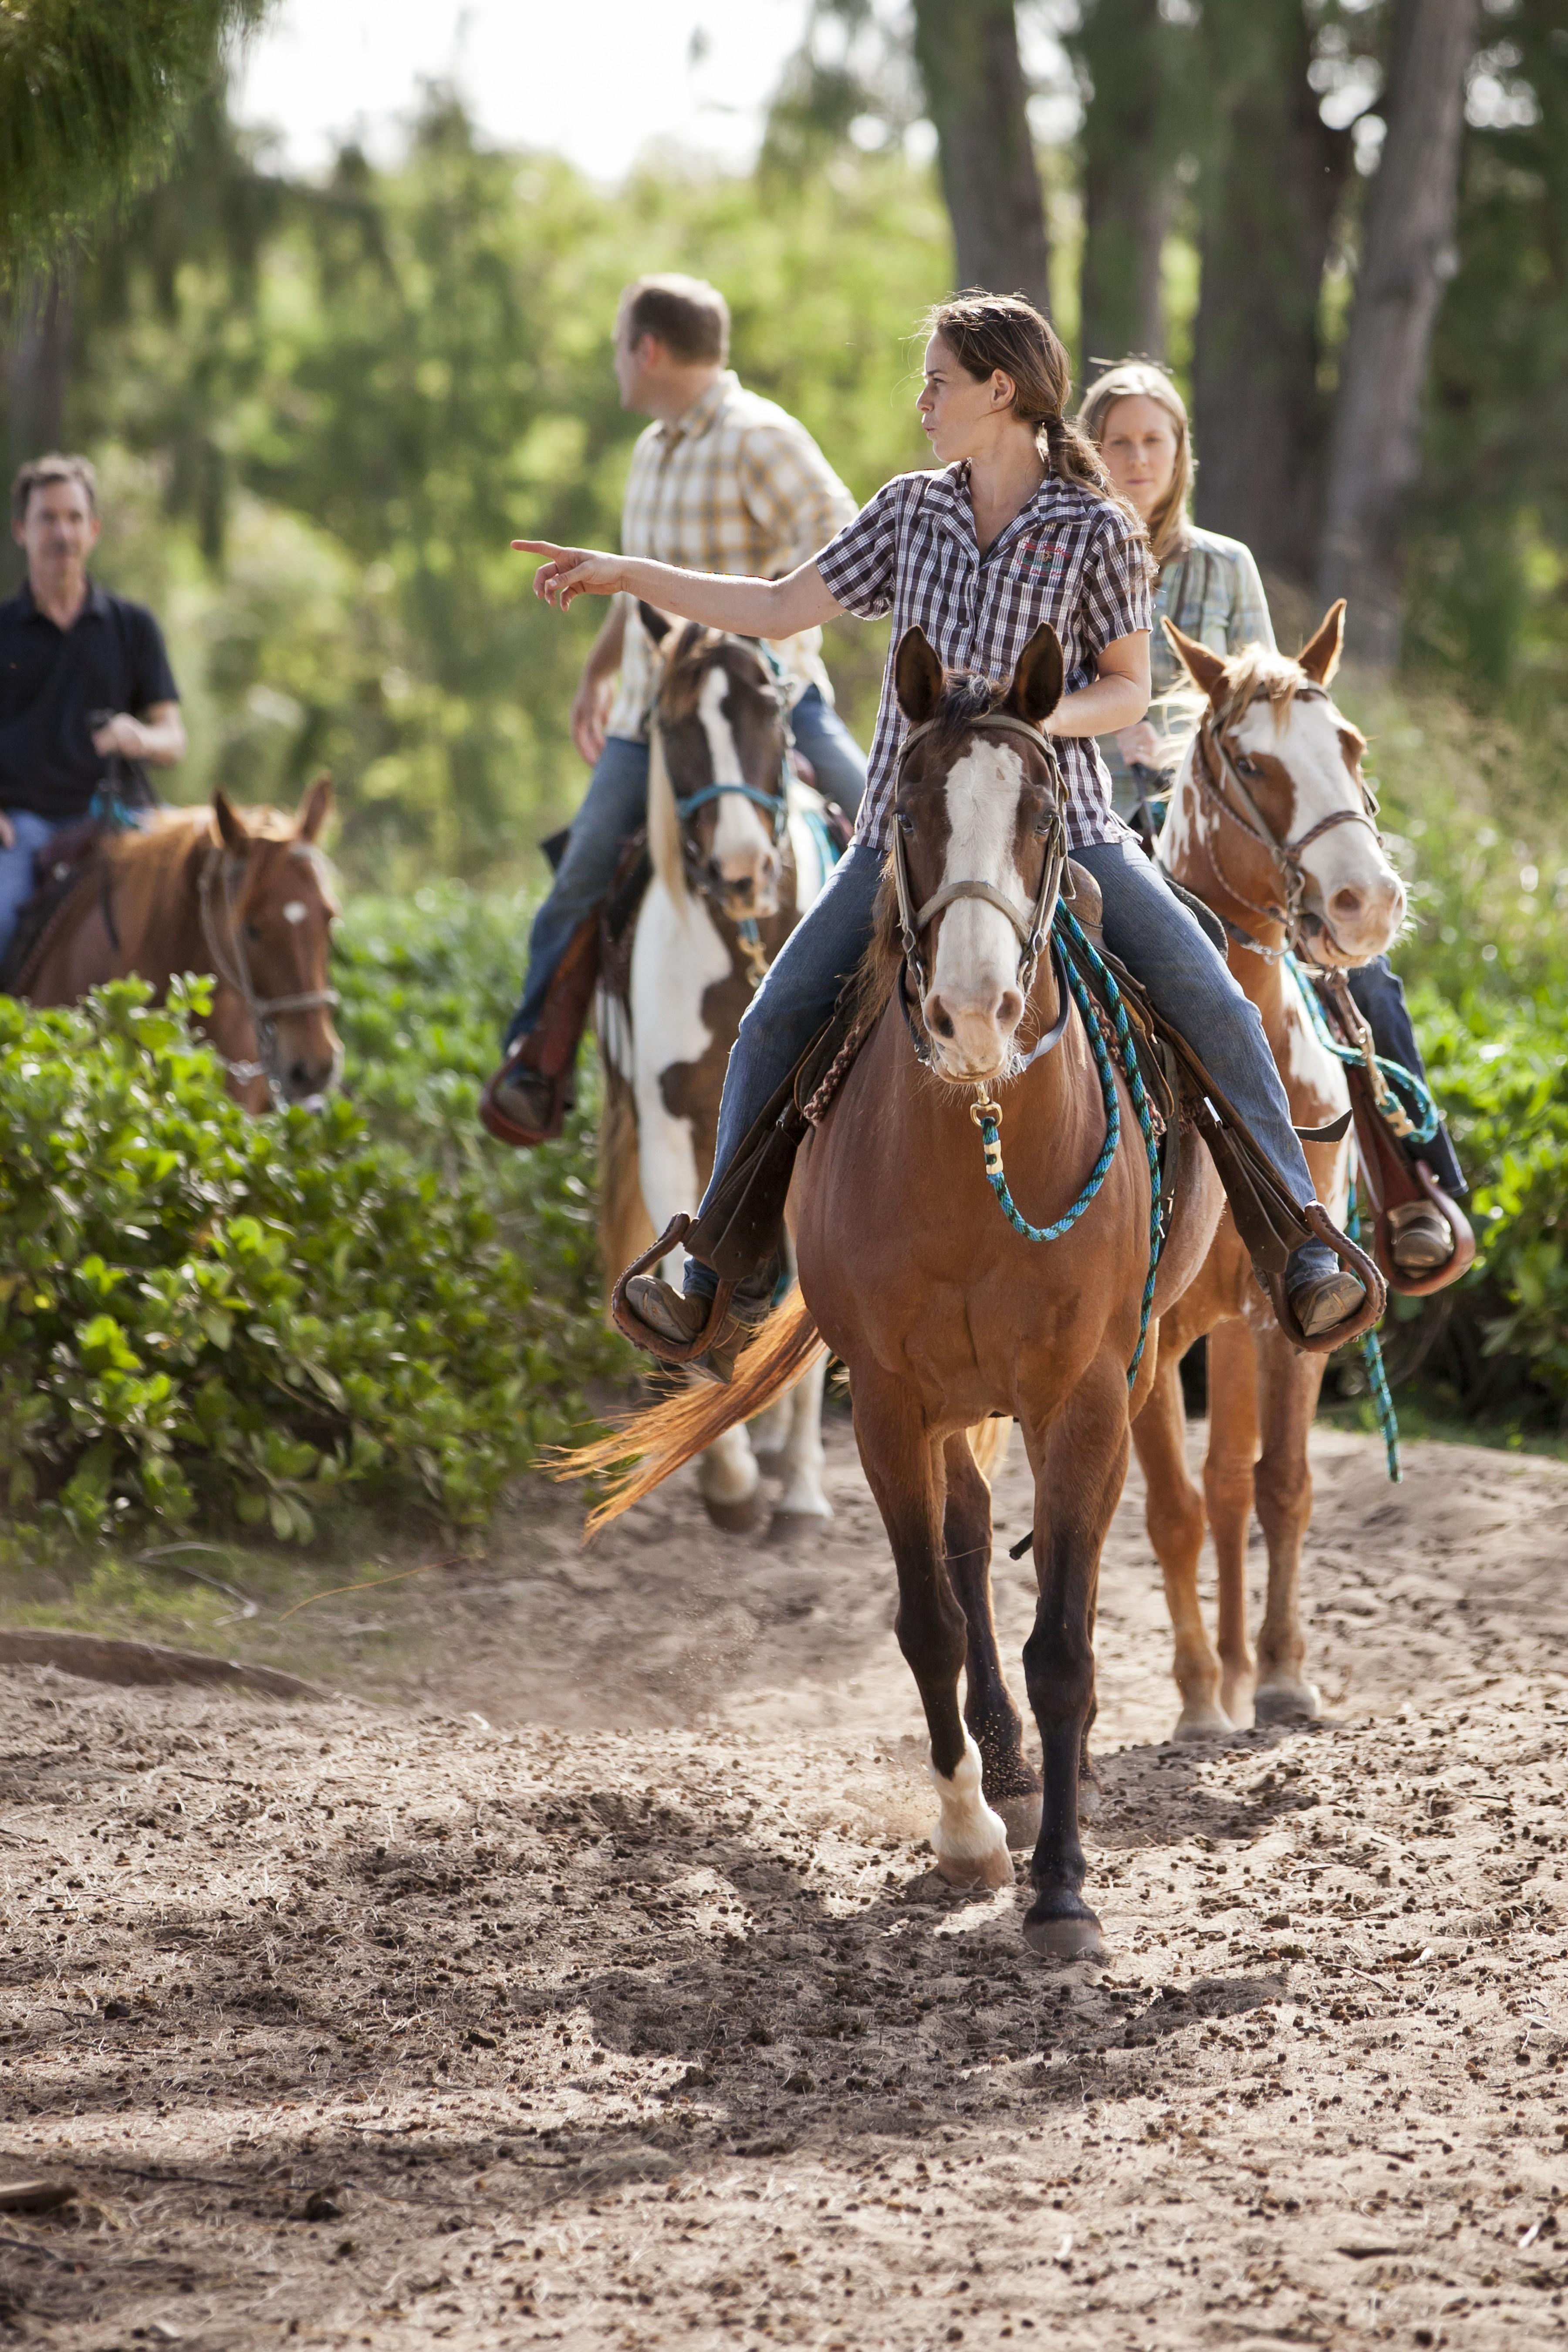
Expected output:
(632, 2016)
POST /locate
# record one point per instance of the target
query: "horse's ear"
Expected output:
(1036, 687)
(230, 824)
(917, 676)
(1319, 656)
(315, 810)
(657, 625)
(1204, 669)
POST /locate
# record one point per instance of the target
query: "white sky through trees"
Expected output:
(595, 80)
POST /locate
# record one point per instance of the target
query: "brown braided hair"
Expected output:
(989, 332)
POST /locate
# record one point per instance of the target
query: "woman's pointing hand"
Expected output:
(571, 572)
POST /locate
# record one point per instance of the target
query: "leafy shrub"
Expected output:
(204, 1315)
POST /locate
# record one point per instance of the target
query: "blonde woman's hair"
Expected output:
(1140, 380)
(989, 332)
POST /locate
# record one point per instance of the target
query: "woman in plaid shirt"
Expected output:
(1209, 586)
(1018, 526)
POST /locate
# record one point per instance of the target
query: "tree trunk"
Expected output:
(967, 52)
(35, 357)
(1407, 255)
(1270, 184)
(1124, 47)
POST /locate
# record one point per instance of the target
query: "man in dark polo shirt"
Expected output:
(84, 676)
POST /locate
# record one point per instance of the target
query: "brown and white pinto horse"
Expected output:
(1271, 824)
(739, 850)
(241, 894)
(941, 1311)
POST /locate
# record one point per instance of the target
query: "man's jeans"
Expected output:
(1380, 998)
(17, 865)
(1145, 925)
(617, 804)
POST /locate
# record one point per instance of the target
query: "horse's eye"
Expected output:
(1246, 766)
(253, 930)
(906, 824)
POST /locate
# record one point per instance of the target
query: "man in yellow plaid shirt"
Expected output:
(721, 481)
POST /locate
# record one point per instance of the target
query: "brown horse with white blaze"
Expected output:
(240, 894)
(1271, 824)
(941, 1311)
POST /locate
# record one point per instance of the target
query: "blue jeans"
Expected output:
(1379, 999)
(16, 878)
(1146, 926)
(617, 804)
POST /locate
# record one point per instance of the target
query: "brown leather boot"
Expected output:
(526, 1101)
(680, 1316)
(1419, 1237)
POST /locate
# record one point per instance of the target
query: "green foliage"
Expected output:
(93, 94)
(205, 1317)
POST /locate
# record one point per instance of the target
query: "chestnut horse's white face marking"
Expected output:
(973, 1004)
(295, 911)
(1360, 895)
(743, 849)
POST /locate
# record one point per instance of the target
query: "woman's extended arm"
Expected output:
(753, 608)
(1118, 695)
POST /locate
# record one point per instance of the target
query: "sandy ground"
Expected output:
(581, 1978)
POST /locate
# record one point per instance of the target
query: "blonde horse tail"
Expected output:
(649, 1446)
(988, 1441)
(625, 1228)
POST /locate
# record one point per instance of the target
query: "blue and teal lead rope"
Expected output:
(1413, 1093)
(1370, 1347)
(1075, 944)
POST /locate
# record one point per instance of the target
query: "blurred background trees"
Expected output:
(323, 406)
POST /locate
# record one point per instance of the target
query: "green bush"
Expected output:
(204, 1316)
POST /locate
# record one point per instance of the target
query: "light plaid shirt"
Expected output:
(1069, 558)
(1212, 591)
(734, 485)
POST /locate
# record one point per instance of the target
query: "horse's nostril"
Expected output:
(1347, 902)
(939, 1017)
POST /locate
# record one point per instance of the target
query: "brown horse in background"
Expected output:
(242, 895)
(944, 1314)
(1270, 824)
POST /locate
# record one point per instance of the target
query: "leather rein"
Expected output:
(1032, 929)
(1301, 895)
(232, 966)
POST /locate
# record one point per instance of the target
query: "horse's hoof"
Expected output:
(1288, 1702)
(1075, 1938)
(1203, 1721)
(792, 1526)
(1021, 1815)
(989, 1870)
(734, 1518)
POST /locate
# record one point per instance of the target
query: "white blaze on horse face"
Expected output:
(295, 911)
(1359, 892)
(973, 1004)
(743, 851)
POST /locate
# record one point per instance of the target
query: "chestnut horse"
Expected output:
(241, 894)
(941, 1311)
(1271, 824)
(739, 849)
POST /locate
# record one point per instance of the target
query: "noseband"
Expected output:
(232, 966)
(1303, 895)
(913, 923)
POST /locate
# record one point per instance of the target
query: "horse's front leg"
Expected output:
(1080, 1463)
(1011, 1785)
(1228, 1472)
(902, 1462)
(1173, 1515)
(1289, 1383)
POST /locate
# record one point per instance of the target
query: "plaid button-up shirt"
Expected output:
(734, 485)
(1069, 558)
(1212, 591)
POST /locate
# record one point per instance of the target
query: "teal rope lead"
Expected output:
(987, 1118)
(1414, 1095)
(1376, 1378)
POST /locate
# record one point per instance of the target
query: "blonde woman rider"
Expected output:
(1209, 587)
(1015, 525)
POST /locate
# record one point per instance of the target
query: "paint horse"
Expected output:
(1271, 824)
(242, 895)
(943, 1312)
(739, 849)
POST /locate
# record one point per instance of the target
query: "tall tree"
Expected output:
(1125, 49)
(1270, 184)
(968, 53)
(1406, 254)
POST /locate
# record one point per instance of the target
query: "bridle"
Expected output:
(1033, 928)
(232, 966)
(1302, 897)
(699, 878)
